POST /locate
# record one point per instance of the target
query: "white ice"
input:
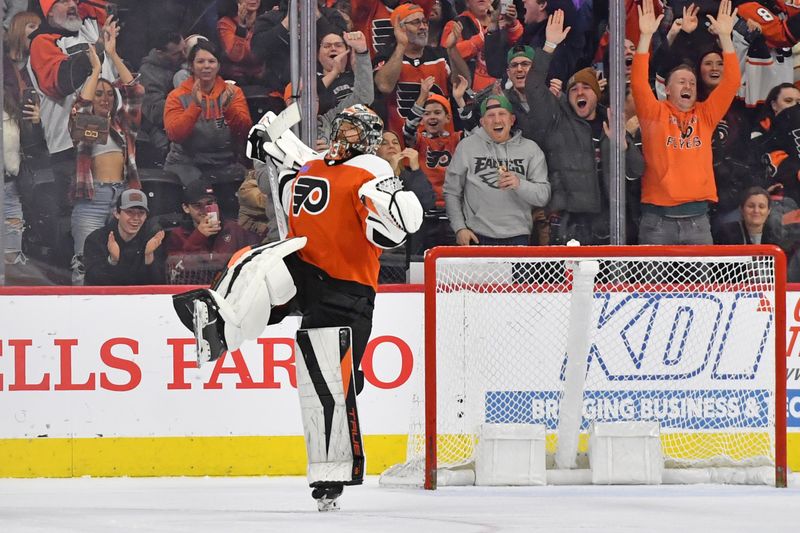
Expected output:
(233, 505)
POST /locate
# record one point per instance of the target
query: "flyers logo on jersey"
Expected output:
(310, 195)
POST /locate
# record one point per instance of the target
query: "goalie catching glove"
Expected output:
(393, 212)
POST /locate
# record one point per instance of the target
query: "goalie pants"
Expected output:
(324, 302)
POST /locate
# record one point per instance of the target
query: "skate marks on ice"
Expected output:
(234, 505)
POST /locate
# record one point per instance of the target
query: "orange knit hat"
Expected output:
(46, 6)
(403, 11)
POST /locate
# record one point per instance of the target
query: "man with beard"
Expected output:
(399, 76)
(58, 66)
(678, 183)
(373, 19)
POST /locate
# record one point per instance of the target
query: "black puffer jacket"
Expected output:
(567, 142)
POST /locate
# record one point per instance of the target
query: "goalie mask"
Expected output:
(356, 130)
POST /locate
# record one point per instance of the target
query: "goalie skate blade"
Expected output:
(200, 318)
(325, 505)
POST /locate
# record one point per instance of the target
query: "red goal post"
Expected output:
(697, 332)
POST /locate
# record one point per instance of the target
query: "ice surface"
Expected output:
(233, 505)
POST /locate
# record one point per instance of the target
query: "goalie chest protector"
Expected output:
(326, 209)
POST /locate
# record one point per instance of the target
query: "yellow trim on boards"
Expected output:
(197, 456)
(176, 456)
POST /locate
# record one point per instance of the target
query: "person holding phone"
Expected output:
(23, 141)
(204, 230)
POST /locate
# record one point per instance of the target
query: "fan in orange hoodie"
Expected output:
(206, 119)
(678, 182)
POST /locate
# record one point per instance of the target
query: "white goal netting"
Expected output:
(687, 341)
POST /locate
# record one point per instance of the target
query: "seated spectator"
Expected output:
(207, 121)
(157, 70)
(494, 181)
(780, 97)
(405, 163)
(252, 208)
(202, 233)
(126, 251)
(475, 22)
(235, 29)
(753, 227)
(104, 167)
(574, 135)
(429, 128)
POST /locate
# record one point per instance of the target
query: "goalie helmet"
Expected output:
(356, 130)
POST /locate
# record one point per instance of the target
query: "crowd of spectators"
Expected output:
(124, 124)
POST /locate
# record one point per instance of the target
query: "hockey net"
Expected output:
(691, 337)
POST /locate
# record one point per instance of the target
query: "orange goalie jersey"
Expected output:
(324, 206)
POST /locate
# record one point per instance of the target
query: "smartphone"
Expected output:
(504, 6)
(78, 48)
(212, 213)
(112, 10)
(30, 96)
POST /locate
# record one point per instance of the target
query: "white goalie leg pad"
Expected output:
(251, 285)
(326, 387)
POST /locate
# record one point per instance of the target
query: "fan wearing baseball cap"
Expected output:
(494, 181)
(203, 229)
(126, 251)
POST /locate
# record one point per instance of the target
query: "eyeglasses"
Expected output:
(325, 46)
(416, 23)
(520, 64)
(203, 204)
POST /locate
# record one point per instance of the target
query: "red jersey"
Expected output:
(325, 208)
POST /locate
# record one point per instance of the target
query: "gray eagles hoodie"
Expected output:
(474, 200)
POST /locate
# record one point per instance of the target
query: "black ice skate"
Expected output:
(327, 497)
(198, 312)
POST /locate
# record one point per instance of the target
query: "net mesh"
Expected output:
(688, 342)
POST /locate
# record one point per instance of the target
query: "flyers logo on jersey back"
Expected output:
(310, 195)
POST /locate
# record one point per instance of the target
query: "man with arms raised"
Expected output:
(678, 182)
